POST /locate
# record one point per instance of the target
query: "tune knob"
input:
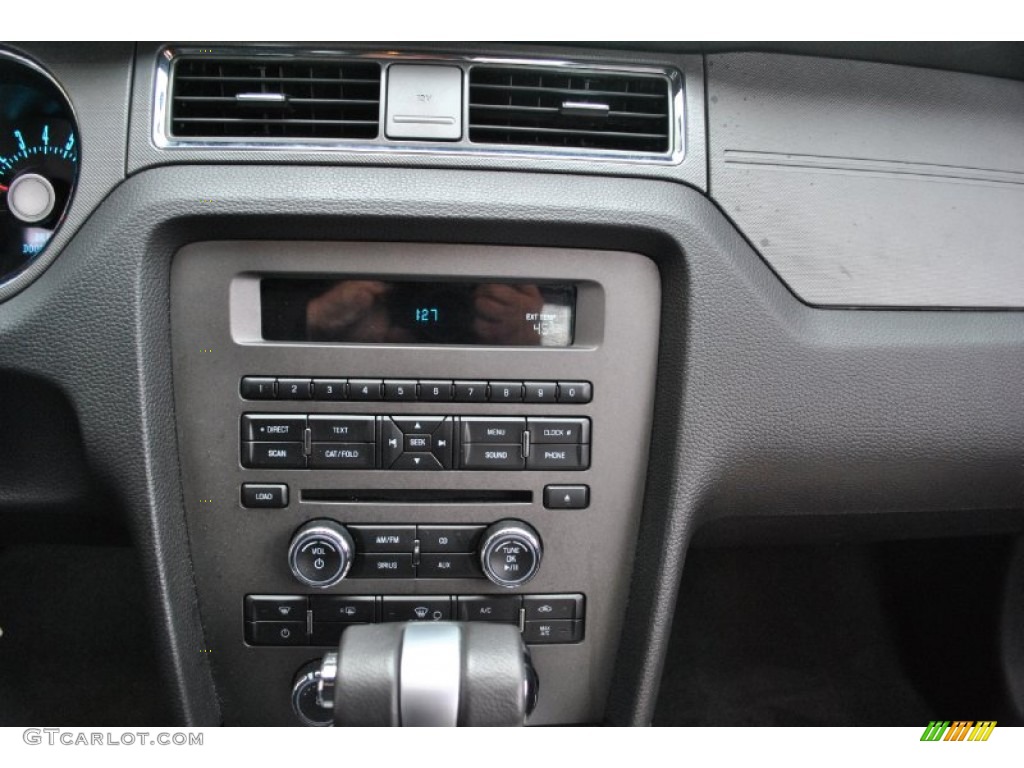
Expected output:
(510, 553)
(321, 553)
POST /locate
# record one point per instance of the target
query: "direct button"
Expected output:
(264, 496)
(484, 456)
(561, 431)
(492, 430)
(343, 429)
(342, 456)
(559, 457)
(383, 538)
(273, 455)
(277, 427)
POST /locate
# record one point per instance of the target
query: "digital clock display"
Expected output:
(372, 311)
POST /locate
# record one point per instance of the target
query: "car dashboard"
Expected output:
(695, 364)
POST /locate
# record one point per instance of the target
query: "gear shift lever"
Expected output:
(428, 674)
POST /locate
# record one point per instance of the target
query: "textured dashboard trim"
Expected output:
(872, 185)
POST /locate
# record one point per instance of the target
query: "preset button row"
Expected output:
(415, 390)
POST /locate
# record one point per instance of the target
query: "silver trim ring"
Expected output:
(334, 533)
(298, 688)
(515, 530)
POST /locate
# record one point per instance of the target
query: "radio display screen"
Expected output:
(373, 311)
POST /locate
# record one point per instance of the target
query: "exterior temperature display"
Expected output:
(367, 311)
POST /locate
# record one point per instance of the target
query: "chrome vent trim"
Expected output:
(164, 139)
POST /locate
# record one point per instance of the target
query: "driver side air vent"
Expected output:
(271, 99)
(549, 107)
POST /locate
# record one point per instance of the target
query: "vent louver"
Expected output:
(273, 100)
(583, 110)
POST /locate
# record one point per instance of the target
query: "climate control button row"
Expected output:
(286, 619)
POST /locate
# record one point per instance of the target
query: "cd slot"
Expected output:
(408, 496)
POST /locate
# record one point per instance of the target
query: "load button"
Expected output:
(264, 495)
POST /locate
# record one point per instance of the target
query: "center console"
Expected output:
(379, 432)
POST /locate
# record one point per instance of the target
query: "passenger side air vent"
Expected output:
(273, 99)
(543, 107)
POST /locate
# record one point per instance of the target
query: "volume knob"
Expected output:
(321, 553)
(510, 553)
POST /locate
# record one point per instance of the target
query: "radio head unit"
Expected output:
(375, 432)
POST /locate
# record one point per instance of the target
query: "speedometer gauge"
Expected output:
(39, 149)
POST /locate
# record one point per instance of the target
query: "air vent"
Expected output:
(579, 110)
(274, 99)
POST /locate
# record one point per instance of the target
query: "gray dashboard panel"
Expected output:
(866, 184)
(764, 406)
(98, 80)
